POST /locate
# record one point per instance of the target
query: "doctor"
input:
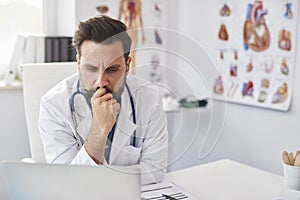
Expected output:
(103, 115)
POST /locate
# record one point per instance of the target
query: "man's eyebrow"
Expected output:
(89, 65)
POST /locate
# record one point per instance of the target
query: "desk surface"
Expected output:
(228, 180)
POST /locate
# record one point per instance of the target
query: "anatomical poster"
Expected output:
(147, 58)
(255, 52)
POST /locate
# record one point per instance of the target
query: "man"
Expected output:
(103, 115)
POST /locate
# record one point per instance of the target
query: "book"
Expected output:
(64, 49)
(48, 49)
(30, 48)
(56, 53)
(40, 49)
(59, 49)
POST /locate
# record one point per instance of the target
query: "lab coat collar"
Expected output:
(124, 127)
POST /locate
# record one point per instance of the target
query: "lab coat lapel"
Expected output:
(124, 127)
(83, 116)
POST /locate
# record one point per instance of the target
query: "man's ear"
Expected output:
(127, 64)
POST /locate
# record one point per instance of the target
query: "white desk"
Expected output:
(228, 180)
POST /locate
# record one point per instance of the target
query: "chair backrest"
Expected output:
(38, 78)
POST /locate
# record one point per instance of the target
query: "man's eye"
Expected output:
(112, 69)
(92, 69)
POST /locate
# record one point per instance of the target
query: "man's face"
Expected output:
(102, 65)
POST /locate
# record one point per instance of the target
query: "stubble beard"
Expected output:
(88, 94)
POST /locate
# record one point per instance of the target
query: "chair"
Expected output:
(38, 78)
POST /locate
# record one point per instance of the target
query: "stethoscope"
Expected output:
(72, 107)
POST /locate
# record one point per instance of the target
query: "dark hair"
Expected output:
(102, 29)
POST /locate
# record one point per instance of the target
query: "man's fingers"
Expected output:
(106, 97)
(107, 102)
(100, 92)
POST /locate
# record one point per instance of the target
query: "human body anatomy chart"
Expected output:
(144, 20)
(255, 52)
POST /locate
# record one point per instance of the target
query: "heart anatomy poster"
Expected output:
(255, 52)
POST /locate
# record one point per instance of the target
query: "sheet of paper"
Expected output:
(157, 192)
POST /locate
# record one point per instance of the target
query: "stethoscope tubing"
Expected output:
(72, 108)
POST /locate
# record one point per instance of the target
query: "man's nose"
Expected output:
(102, 80)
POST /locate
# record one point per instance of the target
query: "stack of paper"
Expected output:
(165, 190)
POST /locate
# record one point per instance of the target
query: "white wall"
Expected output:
(188, 128)
(59, 17)
(251, 135)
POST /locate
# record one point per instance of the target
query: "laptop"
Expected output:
(40, 181)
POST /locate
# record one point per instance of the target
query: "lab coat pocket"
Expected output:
(129, 155)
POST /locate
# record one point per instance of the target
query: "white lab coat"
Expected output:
(57, 128)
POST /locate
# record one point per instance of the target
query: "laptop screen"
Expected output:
(36, 181)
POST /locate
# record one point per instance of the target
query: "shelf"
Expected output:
(16, 85)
